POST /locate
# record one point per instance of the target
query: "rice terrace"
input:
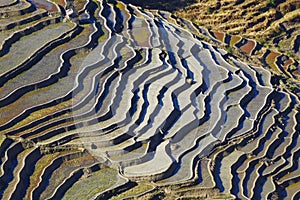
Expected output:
(132, 99)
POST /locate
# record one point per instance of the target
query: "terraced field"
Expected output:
(101, 99)
(273, 22)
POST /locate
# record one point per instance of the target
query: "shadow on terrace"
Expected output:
(169, 5)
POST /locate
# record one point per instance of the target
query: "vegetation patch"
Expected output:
(92, 184)
(137, 190)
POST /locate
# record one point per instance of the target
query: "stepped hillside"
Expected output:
(273, 23)
(106, 100)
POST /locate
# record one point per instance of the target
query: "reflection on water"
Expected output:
(44, 5)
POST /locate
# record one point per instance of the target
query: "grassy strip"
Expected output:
(1, 139)
(92, 184)
(139, 189)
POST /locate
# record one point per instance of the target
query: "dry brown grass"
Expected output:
(262, 21)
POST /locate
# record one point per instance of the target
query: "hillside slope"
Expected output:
(274, 23)
(101, 99)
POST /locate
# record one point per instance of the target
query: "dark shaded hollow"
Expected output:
(168, 5)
